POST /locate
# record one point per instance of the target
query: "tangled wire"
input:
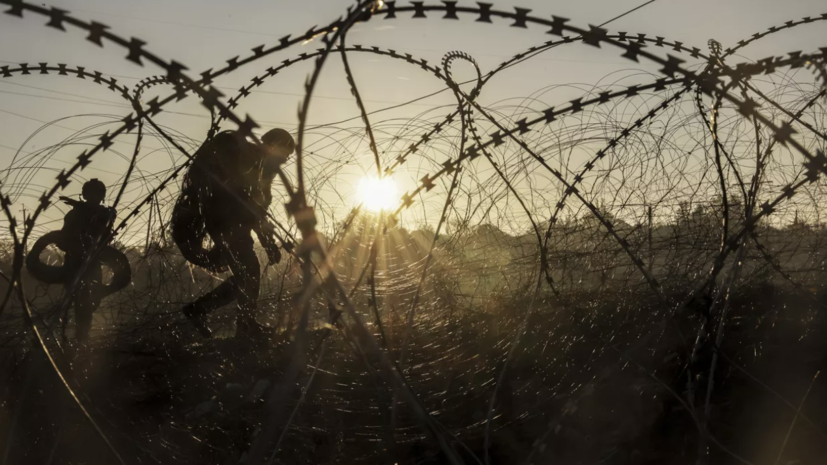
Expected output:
(547, 252)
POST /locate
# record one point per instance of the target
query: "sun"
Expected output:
(378, 194)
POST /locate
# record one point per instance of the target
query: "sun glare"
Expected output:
(378, 194)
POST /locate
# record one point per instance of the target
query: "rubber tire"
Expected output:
(62, 274)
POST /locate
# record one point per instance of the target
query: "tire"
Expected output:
(49, 274)
(63, 274)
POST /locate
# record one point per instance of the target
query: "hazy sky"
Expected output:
(202, 34)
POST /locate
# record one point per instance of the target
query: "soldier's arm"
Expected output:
(110, 223)
(266, 232)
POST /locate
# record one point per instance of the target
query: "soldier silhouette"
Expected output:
(84, 227)
(225, 195)
(87, 228)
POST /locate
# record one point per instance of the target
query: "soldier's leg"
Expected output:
(197, 311)
(83, 314)
(247, 271)
(222, 295)
(87, 300)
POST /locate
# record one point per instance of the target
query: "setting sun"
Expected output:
(378, 194)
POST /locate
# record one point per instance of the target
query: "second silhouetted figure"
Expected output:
(87, 231)
(225, 195)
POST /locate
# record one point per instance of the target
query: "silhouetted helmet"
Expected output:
(280, 140)
(94, 190)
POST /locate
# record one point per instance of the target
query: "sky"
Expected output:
(202, 34)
